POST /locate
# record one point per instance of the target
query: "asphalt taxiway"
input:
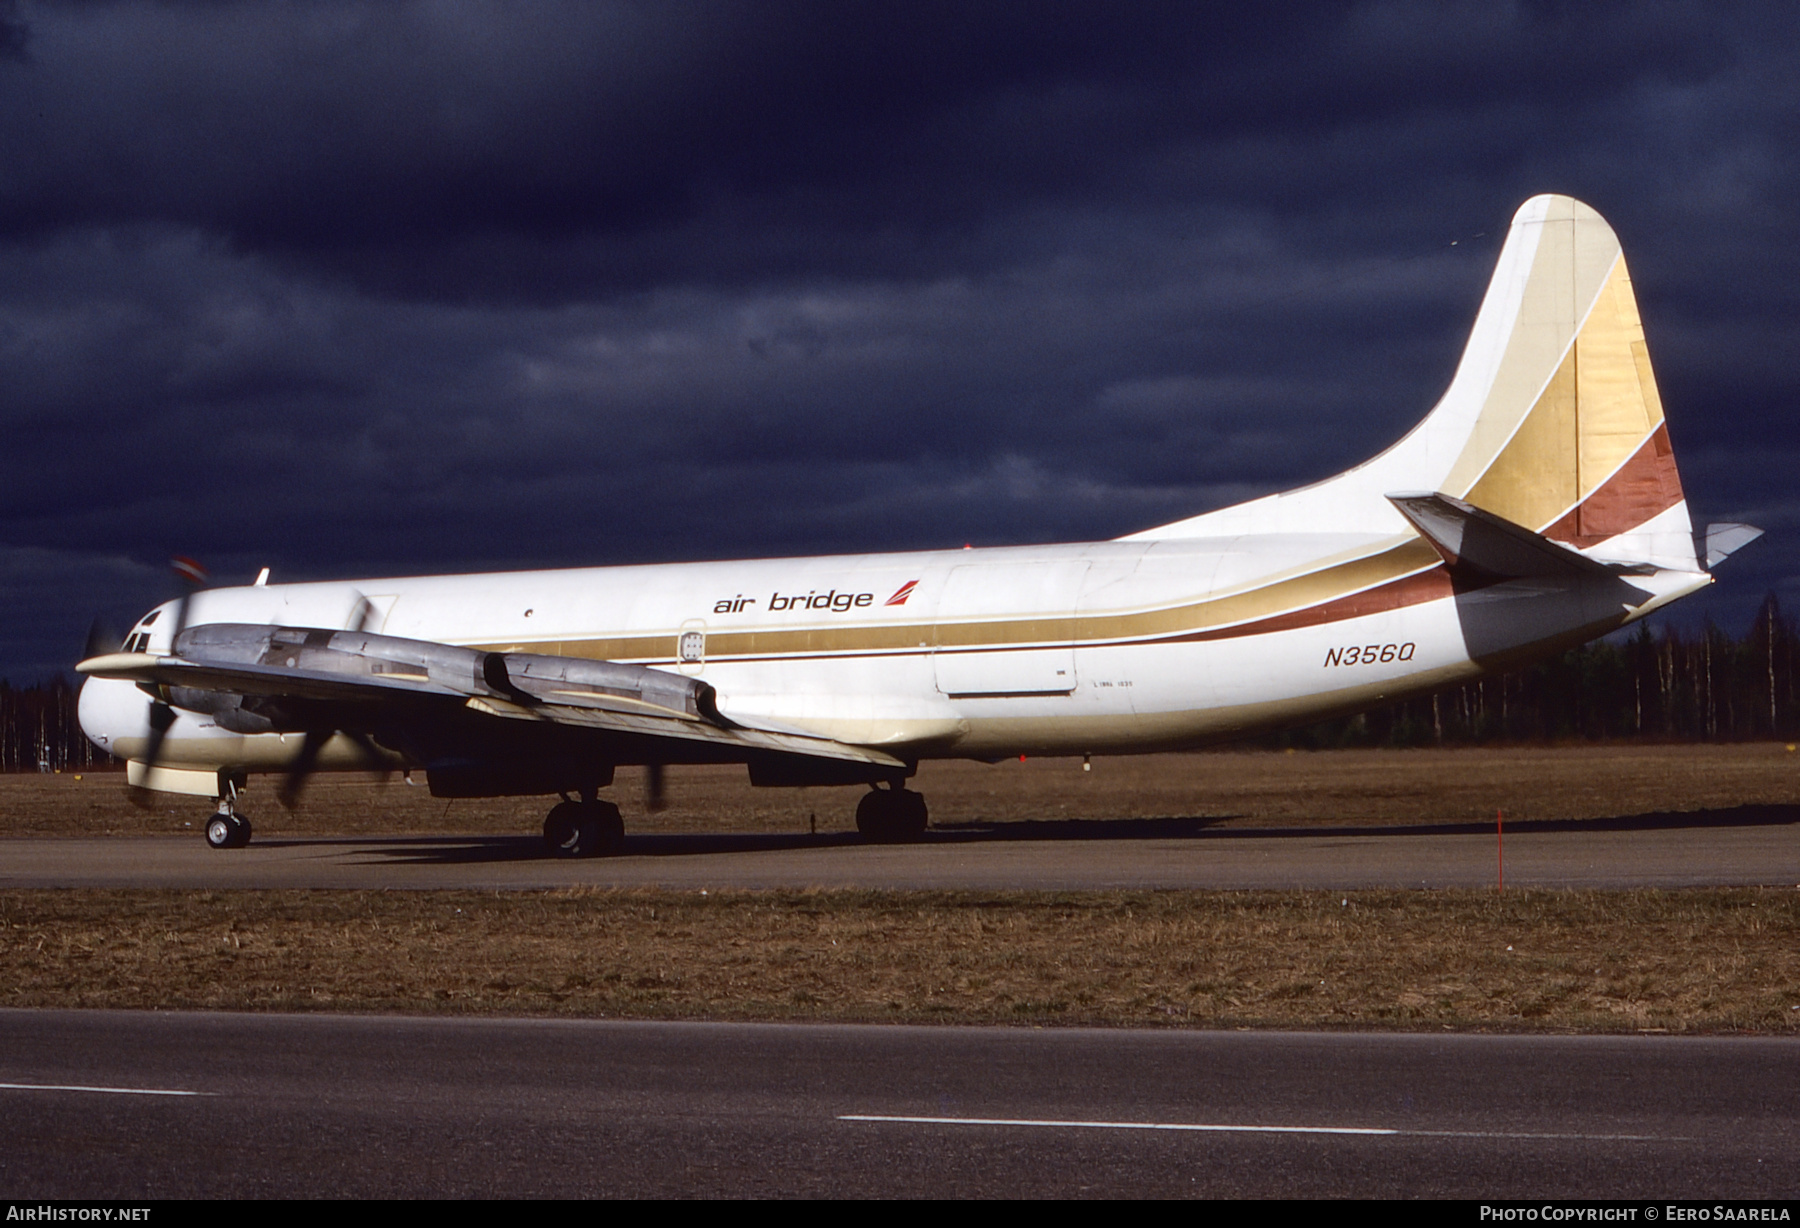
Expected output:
(1750, 845)
(169, 1105)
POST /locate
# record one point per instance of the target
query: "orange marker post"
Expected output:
(1500, 843)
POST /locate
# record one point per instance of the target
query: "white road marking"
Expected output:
(116, 1091)
(1229, 1129)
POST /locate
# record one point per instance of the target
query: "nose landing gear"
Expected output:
(892, 816)
(227, 829)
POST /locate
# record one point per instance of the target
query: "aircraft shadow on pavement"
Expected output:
(1208, 827)
(1671, 820)
(454, 850)
(462, 850)
(474, 850)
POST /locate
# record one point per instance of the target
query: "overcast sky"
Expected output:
(351, 289)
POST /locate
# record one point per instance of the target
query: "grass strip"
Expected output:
(1565, 961)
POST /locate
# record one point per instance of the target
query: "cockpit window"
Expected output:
(139, 639)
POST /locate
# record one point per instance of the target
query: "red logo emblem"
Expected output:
(902, 593)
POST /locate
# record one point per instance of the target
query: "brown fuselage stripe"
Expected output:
(1416, 589)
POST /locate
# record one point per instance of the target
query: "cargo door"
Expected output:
(1008, 629)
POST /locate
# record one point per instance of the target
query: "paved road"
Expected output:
(1751, 845)
(309, 1106)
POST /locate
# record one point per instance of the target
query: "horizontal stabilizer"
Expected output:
(1724, 540)
(1482, 546)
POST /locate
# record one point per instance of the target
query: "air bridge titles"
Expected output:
(831, 601)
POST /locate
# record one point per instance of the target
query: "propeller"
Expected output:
(192, 575)
(654, 798)
(307, 762)
(363, 615)
(102, 640)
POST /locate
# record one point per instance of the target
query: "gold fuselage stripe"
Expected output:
(1215, 615)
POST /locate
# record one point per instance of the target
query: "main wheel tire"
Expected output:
(910, 817)
(891, 816)
(241, 836)
(872, 817)
(609, 827)
(221, 833)
(563, 830)
(584, 829)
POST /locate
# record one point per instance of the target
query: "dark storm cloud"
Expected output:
(584, 144)
(359, 288)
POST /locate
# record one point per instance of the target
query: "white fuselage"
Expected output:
(1110, 647)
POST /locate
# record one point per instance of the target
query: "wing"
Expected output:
(452, 709)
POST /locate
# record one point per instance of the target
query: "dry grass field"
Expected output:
(1722, 960)
(1227, 788)
(1678, 961)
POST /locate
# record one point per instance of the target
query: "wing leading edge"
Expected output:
(419, 697)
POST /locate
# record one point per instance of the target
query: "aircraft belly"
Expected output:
(259, 752)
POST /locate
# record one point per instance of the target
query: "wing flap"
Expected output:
(644, 726)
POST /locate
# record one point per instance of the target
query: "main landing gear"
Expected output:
(585, 828)
(227, 829)
(892, 816)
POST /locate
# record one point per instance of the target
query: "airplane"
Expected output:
(1536, 507)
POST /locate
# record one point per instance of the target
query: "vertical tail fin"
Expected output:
(1584, 458)
(1552, 421)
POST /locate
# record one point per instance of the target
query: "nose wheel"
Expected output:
(227, 829)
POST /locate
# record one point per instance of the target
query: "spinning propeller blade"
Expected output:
(654, 798)
(101, 640)
(162, 716)
(192, 576)
(304, 763)
(307, 762)
(363, 615)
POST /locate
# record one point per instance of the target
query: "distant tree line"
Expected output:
(39, 731)
(1663, 686)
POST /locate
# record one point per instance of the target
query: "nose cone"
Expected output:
(112, 710)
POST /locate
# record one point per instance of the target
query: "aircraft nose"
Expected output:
(110, 709)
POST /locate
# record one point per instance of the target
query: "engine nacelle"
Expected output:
(386, 662)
